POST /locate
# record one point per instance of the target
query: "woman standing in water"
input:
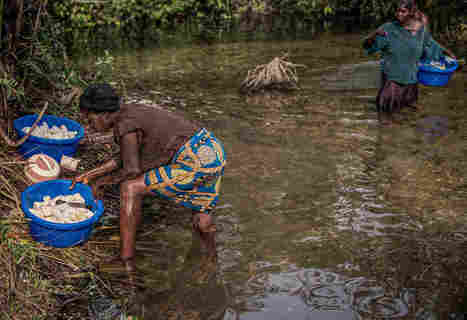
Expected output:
(161, 154)
(402, 43)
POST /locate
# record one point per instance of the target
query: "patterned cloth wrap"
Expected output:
(193, 178)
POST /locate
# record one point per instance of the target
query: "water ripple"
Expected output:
(325, 292)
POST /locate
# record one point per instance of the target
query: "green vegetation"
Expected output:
(135, 19)
(39, 39)
(90, 23)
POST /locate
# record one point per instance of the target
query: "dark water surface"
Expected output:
(325, 214)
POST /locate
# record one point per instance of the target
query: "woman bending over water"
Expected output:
(161, 154)
(402, 43)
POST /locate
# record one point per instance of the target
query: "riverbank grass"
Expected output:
(38, 281)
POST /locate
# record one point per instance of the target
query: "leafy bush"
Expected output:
(133, 18)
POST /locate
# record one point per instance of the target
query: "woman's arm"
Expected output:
(433, 49)
(105, 168)
(377, 40)
(130, 145)
(370, 39)
(128, 165)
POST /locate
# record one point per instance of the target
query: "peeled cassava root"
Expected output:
(278, 74)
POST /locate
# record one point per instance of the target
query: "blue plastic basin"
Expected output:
(55, 148)
(60, 235)
(431, 76)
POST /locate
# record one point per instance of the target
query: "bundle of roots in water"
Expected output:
(278, 74)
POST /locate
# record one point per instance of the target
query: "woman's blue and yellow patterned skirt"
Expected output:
(193, 178)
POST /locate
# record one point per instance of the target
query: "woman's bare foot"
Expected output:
(118, 265)
(386, 120)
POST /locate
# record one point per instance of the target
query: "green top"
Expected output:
(401, 51)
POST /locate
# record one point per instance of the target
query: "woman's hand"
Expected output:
(97, 190)
(83, 178)
(381, 32)
(96, 187)
(449, 53)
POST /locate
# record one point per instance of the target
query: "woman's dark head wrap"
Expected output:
(100, 98)
(408, 4)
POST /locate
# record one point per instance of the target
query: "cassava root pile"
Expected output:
(278, 74)
(53, 132)
(49, 209)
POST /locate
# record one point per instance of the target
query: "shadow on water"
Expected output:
(325, 214)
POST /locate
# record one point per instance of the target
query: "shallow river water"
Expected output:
(325, 213)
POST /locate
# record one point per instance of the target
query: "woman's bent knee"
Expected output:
(134, 186)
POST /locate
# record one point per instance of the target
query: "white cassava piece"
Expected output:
(69, 163)
(54, 132)
(41, 167)
(49, 210)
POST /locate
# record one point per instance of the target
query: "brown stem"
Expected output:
(12, 143)
(36, 25)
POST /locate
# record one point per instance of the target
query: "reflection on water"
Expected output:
(360, 207)
(323, 209)
(312, 293)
